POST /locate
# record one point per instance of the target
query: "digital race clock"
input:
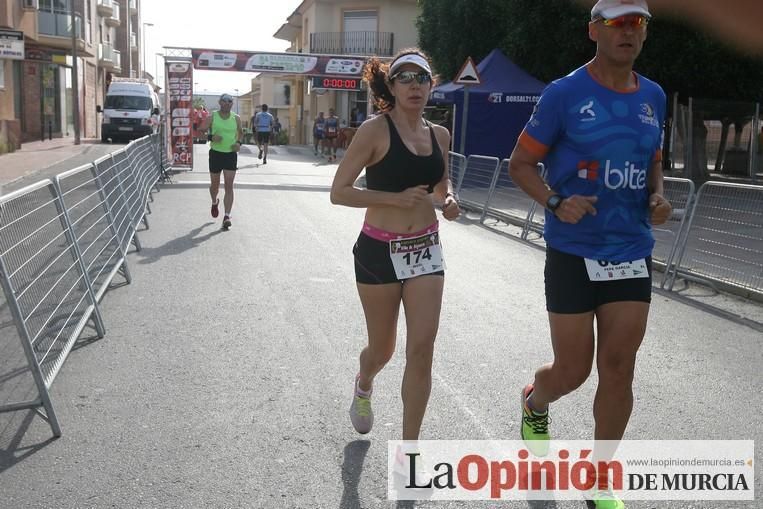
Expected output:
(335, 83)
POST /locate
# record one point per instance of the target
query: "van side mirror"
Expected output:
(98, 109)
(155, 111)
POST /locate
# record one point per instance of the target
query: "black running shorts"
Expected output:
(373, 266)
(263, 137)
(570, 291)
(219, 161)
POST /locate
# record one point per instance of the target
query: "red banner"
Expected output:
(179, 87)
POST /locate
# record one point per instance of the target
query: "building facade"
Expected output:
(340, 27)
(37, 91)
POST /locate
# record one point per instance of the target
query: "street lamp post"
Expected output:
(156, 63)
(145, 24)
(236, 90)
(75, 79)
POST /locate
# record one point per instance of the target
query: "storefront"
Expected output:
(46, 99)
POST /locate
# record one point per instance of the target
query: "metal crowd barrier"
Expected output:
(668, 237)
(456, 166)
(477, 181)
(714, 236)
(723, 245)
(62, 241)
(509, 203)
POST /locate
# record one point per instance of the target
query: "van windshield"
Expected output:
(127, 102)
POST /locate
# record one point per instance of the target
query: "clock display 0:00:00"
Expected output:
(336, 83)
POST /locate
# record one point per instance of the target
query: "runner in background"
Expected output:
(263, 123)
(332, 133)
(225, 135)
(319, 132)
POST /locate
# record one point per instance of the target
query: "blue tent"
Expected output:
(498, 108)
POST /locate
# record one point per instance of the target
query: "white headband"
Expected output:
(411, 58)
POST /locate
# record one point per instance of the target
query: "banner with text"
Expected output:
(283, 63)
(567, 470)
(179, 90)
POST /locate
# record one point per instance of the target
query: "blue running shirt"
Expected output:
(596, 141)
(264, 121)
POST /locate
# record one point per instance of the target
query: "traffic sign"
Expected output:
(468, 74)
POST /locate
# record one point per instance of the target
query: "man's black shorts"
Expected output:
(263, 137)
(219, 161)
(569, 289)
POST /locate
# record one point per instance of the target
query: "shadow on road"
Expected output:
(11, 449)
(177, 245)
(352, 468)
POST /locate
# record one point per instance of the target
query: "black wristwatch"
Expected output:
(553, 202)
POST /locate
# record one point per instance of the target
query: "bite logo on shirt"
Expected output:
(614, 178)
(588, 170)
(629, 177)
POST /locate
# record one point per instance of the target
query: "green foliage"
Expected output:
(549, 39)
(451, 30)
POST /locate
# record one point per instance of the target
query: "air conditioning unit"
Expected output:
(31, 4)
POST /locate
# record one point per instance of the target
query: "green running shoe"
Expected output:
(605, 499)
(534, 427)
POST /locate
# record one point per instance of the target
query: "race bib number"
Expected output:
(332, 130)
(416, 256)
(601, 270)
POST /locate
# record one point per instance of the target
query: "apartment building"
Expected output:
(339, 27)
(36, 89)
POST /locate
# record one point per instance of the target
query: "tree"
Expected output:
(549, 39)
(452, 30)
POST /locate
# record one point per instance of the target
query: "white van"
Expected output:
(127, 114)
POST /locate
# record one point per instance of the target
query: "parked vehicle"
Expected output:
(131, 110)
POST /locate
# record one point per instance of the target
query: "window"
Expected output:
(56, 6)
(127, 102)
(30, 4)
(360, 35)
(360, 21)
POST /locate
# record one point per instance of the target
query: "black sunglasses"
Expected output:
(406, 77)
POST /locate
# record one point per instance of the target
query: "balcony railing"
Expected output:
(58, 25)
(114, 20)
(133, 6)
(108, 56)
(105, 7)
(353, 43)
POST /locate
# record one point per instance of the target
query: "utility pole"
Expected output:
(75, 78)
(144, 63)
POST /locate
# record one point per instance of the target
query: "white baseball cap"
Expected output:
(411, 58)
(609, 9)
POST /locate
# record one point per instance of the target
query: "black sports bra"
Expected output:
(400, 169)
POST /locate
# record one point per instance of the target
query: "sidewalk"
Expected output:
(29, 164)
